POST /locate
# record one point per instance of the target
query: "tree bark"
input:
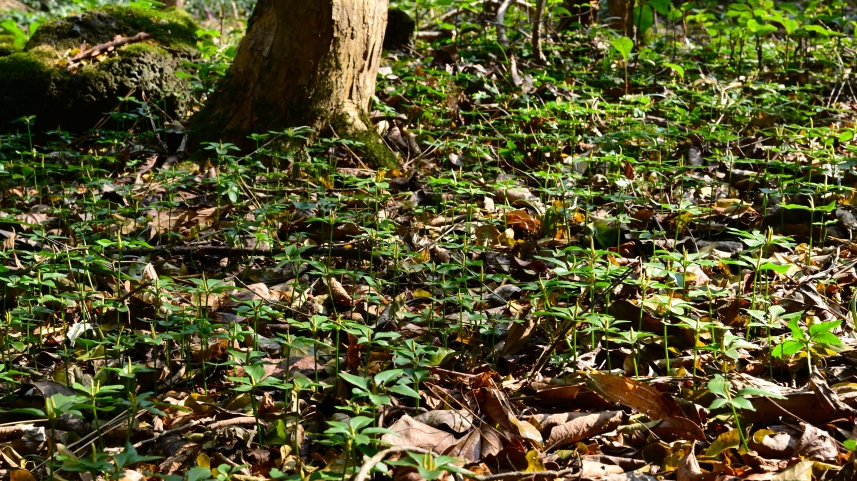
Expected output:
(302, 63)
(622, 13)
(537, 32)
(174, 3)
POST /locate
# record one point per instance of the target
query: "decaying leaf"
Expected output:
(635, 395)
(568, 428)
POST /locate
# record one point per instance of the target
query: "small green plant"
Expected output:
(624, 46)
(806, 340)
(720, 387)
(431, 466)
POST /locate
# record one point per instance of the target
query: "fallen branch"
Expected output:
(209, 250)
(118, 41)
(239, 421)
(527, 474)
(165, 433)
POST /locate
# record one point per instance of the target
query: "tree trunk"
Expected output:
(302, 63)
(622, 13)
(174, 3)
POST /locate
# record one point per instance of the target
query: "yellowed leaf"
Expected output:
(526, 430)
(534, 462)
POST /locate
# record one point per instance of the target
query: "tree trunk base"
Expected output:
(372, 150)
(301, 63)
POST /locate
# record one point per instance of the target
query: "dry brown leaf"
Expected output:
(635, 395)
(414, 433)
(173, 220)
(490, 400)
(30, 219)
(458, 421)
(339, 294)
(519, 333)
(567, 428)
(689, 469)
(679, 427)
(21, 475)
(555, 395)
(593, 469)
(526, 430)
(522, 220)
(785, 442)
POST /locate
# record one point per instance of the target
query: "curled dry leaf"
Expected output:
(478, 443)
(414, 433)
(567, 428)
(519, 333)
(689, 469)
(339, 294)
(458, 421)
(526, 430)
(635, 395)
(678, 427)
(785, 442)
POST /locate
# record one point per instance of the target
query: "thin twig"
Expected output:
(165, 433)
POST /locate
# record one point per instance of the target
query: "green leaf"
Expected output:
(718, 403)
(129, 456)
(797, 332)
(356, 380)
(644, 18)
(382, 377)
(827, 338)
(850, 444)
(677, 68)
(660, 6)
(358, 422)
(404, 390)
(823, 327)
(742, 403)
(719, 386)
(787, 348)
(779, 269)
(623, 45)
(255, 371)
(429, 474)
(197, 473)
(825, 32)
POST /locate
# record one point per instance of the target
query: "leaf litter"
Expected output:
(573, 275)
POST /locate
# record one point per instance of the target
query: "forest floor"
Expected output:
(620, 264)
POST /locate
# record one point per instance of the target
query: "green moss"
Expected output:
(171, 28)
(36, 83)
(374, 152)
(7, 45)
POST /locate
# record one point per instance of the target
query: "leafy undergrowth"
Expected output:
(616, 265)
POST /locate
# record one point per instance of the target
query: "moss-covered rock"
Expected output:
(38, 82)
(170, 28)
(7, 44)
